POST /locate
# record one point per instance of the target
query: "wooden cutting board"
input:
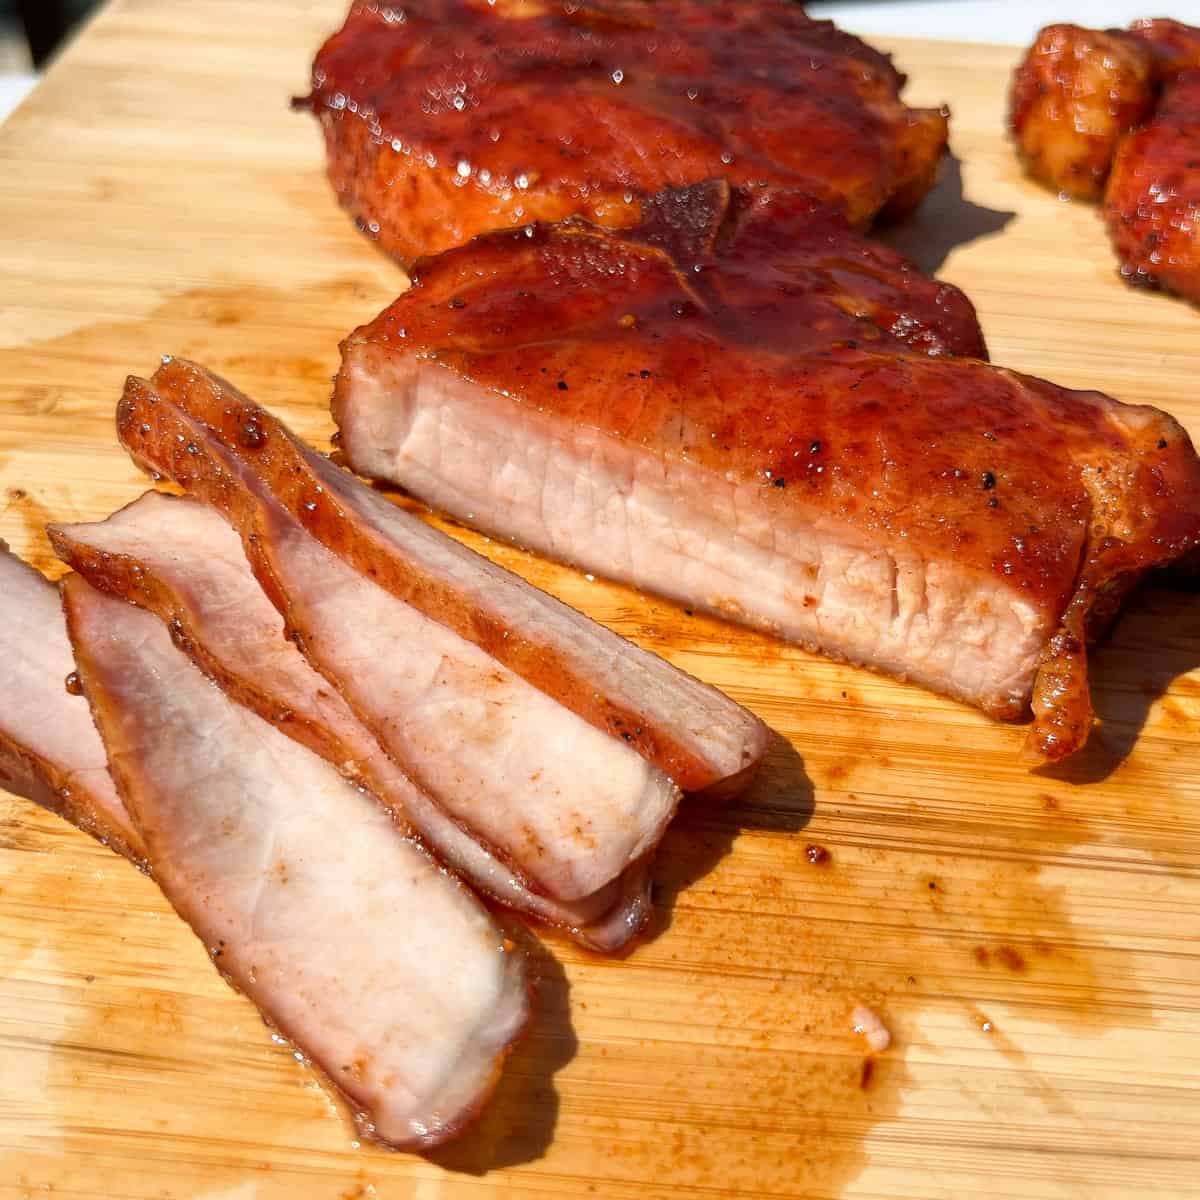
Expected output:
(1029, 936)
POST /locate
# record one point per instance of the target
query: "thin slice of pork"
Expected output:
(50, 751)
(349, 937)
(561, 802)
(697, 735)
(177, 558)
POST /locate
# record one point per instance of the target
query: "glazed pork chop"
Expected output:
(349, 938)
(50, 751)
(692, 732)
(177, 558)
(616, 399)
(426, 112)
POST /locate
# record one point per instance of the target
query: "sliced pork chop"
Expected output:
(50, 751)
(351, 940)
(585, 393)
(694, 733)
(430, 139)
(178, 558)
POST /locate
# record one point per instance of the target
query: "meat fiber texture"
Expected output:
(684, 408)
(449, 118)
(1114, 116)
(179, 559)
(379, 965)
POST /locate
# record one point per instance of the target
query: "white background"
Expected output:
(1014, 22)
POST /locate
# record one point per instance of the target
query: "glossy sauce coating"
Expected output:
(1075, 95)
(426, 111)
(1152, 204)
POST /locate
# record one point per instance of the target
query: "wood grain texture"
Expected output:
(157, 196)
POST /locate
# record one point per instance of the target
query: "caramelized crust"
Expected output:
(1175, 46)
(1077, 92)
(1152, 203)
(426, 112)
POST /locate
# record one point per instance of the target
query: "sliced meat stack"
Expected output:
(179, 559)
(687, 407)
(1114, 116)
(448, 118)
(300, 737)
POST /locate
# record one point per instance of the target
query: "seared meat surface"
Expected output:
(348, 936)
(591, 394)
(1115, 116)
(1152, 204)
(1075, 95)
(461, 116)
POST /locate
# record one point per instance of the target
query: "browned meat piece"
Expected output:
(1077, 92)
(50, 751)
(587, 393)
(1152, 203)
(692, 732)
(466, 116)
(1123, 107)
(1175, 46)
(352, 941)
(179, 559)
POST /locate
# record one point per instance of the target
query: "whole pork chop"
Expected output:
(448, 118)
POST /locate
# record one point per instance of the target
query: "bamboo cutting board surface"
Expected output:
(1029, 936)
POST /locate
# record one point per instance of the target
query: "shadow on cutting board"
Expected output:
(945, 220)
(780, 799)
(517, 1126)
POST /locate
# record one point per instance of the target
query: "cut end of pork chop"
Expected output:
(50, 751)
(595, 501)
